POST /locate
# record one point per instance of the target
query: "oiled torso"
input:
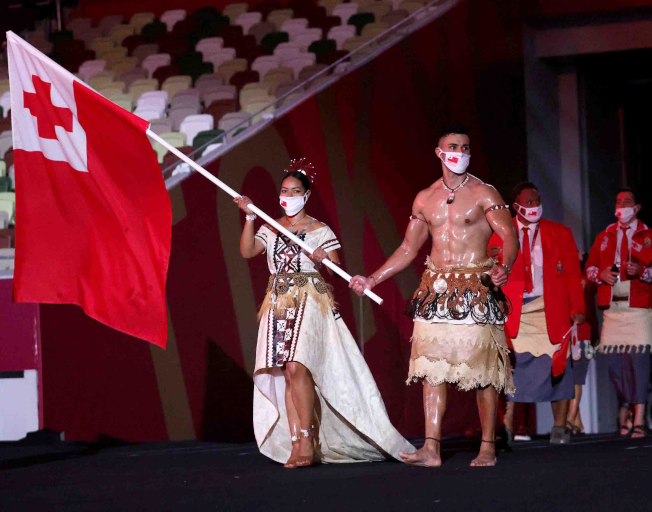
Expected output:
(460, 231)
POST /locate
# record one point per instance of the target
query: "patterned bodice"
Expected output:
(284, 256)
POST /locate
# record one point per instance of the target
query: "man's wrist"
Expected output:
(372, 278)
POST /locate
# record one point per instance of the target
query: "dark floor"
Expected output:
(594, 473)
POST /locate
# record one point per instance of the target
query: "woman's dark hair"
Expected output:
(300, 176)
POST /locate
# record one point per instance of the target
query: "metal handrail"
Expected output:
(228, 143)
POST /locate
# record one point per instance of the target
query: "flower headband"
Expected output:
(302, 165)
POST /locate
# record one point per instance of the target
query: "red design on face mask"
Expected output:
(453, 159)
(533, 214)
(284, 203)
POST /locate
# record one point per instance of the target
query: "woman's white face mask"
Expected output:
(293, 205)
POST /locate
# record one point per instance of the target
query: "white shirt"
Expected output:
(631, 229)
(536, 255)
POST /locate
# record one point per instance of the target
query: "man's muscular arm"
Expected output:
(415, 236)
(501, 222)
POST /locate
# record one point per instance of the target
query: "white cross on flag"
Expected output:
(93, 217)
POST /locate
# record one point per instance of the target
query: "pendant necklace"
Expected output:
(293, 229)
(451, 196)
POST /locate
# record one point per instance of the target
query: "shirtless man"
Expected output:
(458, 309)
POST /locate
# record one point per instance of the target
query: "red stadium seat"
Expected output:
(165, 72)
(241, 78)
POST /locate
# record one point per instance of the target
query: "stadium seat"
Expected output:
(112, 88)
(153, 99)
(194, 124)
(294, 26)
(206, 136)
(221, 56)
(260, 30)
(187, 98)
(322, 48)
(4, 85)
(5, 104)
(241, 78)
(286, 87)
(143, 51)
(247, 20)
(154, 31)
(123, 100)
(140, 19)
(148, 113)
(116, 54)
(159, 126)
(252, 91)
(90, 67)
(230, 68)
(378, 9)
(301, 61)
(410, 6)
(8, 205)
(119, 32)
(374, 29)
(209, 45)
(142, 86)
(232, 120)
(101, 45)
(394, 17)
(310, 71)
(273, 39)
(306, 38)
(260, 108)
(89, 36)
(232, 11)
(101, 79)
(176, 83)
(207, 82)
(274, 80)
(79, 25)
(6, 141)
(131, 76)
(345, 11)
(153, 62)
(178, 114)
(360, 20)
(172, 16)
(341, 34)
(264, 64)
(174, 139)
(123, 65)
(108, 22)
(326, 23)
(221, 92)
(280, 16)
(286, 51)
(165, 72)
(132, 41)
(219, 108)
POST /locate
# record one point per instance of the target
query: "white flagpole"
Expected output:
(257, 210)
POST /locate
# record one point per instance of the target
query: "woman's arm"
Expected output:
(249, 245)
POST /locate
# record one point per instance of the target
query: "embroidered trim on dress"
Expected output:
(623, 349)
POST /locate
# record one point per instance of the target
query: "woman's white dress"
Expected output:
(300, 324)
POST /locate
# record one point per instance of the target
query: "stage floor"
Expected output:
(594, 473)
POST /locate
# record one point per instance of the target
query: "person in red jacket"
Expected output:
(547, 298)
(620, 263)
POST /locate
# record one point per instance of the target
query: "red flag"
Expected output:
(93, 216)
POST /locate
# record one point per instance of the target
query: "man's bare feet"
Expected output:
(427, 456)
(487, 455)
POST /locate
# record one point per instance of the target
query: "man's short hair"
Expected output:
(630, 190)
(520, 187)
(453, 129)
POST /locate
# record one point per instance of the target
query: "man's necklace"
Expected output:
(451, 196)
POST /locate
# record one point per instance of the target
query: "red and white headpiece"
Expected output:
(302, 165)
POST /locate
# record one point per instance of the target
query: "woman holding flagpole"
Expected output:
(314, 396)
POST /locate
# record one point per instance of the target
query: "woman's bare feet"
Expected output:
(306, 452)
(487, 455)
(292, 461)
(427, 456)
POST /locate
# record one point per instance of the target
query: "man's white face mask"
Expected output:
(532, 214)
(456, 162)
(293, 205)
(625, 214)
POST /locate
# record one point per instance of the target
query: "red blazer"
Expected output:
(603, 255)
(562, 287)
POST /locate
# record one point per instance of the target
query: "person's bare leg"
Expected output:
(509, 416)
(560, 412)
(574, 415)
(434, 407)
(639, 419)
(293, 421)
(624, 420)
(303, 397)
(487, 399)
